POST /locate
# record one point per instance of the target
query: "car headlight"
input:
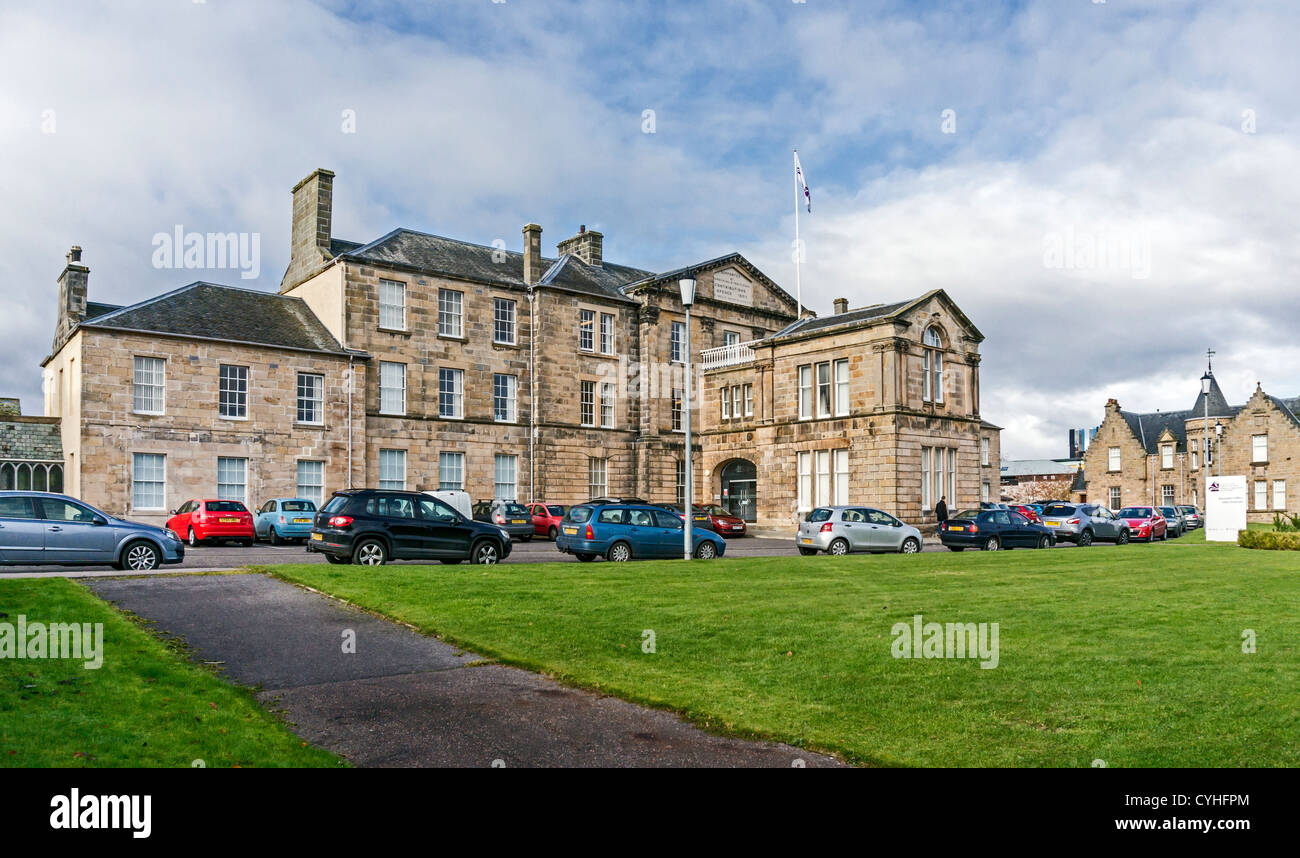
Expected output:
(504, 534)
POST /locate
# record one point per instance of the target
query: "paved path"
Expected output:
(403, 699)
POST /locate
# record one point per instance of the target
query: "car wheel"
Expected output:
(706, 551)
(339, 560)
(485, 553)
(910, 546)
(807, 552)
(585, 558)
(956, 548)
(992, 544)
(619, 552)
(370, 553)
(1085, 539)
(1122, 539)
(839, 548)
(552, 534)
(275, 536)
(1044, 542)
(140, 556)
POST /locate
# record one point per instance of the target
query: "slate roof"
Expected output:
(1037, 467)
(649, 278)
(1148, 427)
(1219, 406)
(449, 257)
(33, 439)
(1080, 482)
(95, 308)
(868, 314)
(226, 313)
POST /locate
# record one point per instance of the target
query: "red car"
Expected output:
(724, 523)
(197, 521)
(546, 518)
(1027, 511)
(1145, 522)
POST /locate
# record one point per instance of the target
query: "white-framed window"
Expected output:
(841, 388)
(311, 480)
(677, 409)
(824, 389)
(841, 462)
(503, 321)
(607, 404)
(392, 470)
(952, 475)
(1112, 460)
(232, 392)
(1115, 498)
(1195, 455)
(805, 392)
(148, 481)
(451, 471)
(606, 333)
(587, 330)
(681, 483)
(726, 403)
(804, 461)
(1258, 448)
(1279, 494)
(1261, 494)
(927, 502)
(749, 400)
(150, 385)
(1166, 495)
(735, 401)
(232, 479)
(677, 342)
(597, 484)
(1166, 456)
(984, 451)
(587, 403)
(730, 338)
(311, 398)
(984, 492)
(822, 459)
(392, 387)
(506, 469)
(932, 366)
(451, 393)
(451, 313)
(503, 398)
(392, 305)
(1194, 497)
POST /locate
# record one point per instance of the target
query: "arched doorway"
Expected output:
(739, 486)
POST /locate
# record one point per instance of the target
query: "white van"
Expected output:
(456, 499)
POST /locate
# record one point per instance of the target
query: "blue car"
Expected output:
(52, 529)
(993, 530)
(282, 519)
(622, 532)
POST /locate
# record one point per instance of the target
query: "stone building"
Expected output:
(1162, 457)
(31, 451)
(424, 362)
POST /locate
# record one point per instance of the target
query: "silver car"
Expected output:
(46, 528)
(1084, 523)
(843, 529)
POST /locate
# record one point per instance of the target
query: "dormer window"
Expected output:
(932, 365)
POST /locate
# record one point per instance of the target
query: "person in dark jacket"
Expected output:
(941, 511)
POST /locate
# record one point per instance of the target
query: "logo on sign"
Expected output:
(1214, 487)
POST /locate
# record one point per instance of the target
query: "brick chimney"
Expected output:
(72, 297)
(533, 267)
(309, 242)
(841, 306)
(1112, 406)
(585, 245)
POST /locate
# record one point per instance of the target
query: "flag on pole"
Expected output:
(799, 177)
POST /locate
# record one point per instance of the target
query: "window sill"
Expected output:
(401, 332)
(149, 413)
(305, 424)
(502, 345)
(454, 337)
(233, 419)
(392, 413)
(1263, 464)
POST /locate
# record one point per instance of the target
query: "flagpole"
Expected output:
(798, 248)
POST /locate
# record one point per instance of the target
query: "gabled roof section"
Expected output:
(1289, 407)
(651, 279)
(226, 313)
(1219, 406)
(873, 315)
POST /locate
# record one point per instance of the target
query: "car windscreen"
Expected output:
(969, 514)
(298, 506)
(1058, 509)
(821, 514)
(336, 503)
(1168, 510)
(578, 514)
(224, 506)
(515, 509)
(1135, 512)
(555, 510)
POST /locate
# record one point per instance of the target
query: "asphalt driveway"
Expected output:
(404, 699)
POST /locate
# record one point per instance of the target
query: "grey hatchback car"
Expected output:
(1084, 523)
(41, 528)
(843, 529)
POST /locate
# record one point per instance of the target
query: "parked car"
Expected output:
(1084, 524)
(992, 505)
(701, 517)
(546, 519)
(199, 521)
(840, 530)
(602, 500)
(456, 499)
(621, 532)
(1145, 522)
(513, 517)
(723, 521)
(1027, 510)
(41, 528)
(1192, 516)
(280, 519)
(1174, 519)
(993, 530)
(372, 526)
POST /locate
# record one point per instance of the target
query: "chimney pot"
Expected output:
(74, 255)
(587, 245)
(841, 306)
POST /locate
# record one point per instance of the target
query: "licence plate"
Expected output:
(1053, 523)
(302, 521)
(317, 537)
(806, 541)
(571, 531)
(228, 520)
(518, 521)
(956, 528)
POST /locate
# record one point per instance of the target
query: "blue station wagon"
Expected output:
(280, 519)
(621, 532)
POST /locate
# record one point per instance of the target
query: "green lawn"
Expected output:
(146, 705)
(1132, 655)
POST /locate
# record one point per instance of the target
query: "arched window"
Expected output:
(932, 365)
(7, 481)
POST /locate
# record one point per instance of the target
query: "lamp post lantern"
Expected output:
(687, 285)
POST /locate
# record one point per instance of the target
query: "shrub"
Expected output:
(1269, 540)
(1285, 523)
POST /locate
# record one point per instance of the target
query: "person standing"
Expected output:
(941, 511)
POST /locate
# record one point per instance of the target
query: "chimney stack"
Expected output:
(309, 242)
(533, 268)
(841, 306)
(586, 245)
(73, 285)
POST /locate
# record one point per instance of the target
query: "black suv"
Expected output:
(372, 526)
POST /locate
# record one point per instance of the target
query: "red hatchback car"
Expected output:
(1027, 511)
(546, 518)
(724, 523)
(1145, 522)
(197, 521)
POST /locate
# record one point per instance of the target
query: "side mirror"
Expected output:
(173, 512)
(99, 521)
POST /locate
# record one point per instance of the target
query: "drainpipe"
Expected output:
(351, 384)
(532, 394)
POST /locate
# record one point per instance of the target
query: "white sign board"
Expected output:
(731, 286)
(1225, 508)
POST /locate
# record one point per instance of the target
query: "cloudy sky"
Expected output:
(986, 148)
